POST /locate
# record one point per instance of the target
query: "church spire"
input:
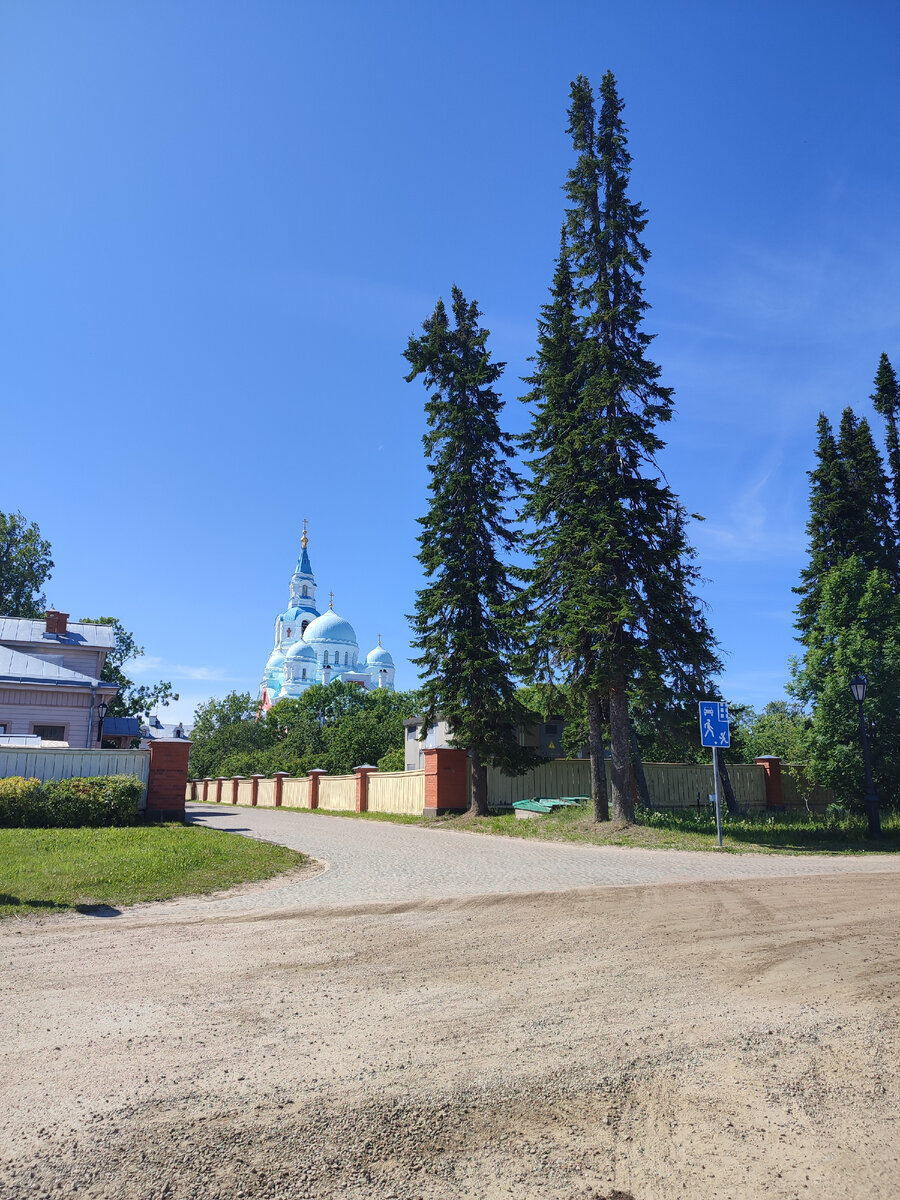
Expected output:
(303, 564)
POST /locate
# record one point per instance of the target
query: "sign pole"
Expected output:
(718, 797)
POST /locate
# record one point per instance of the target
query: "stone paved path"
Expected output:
(378, 862)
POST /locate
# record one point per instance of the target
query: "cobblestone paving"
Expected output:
(374, 862)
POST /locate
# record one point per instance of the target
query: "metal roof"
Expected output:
(121, 727)
(16, 667)
(78, 633)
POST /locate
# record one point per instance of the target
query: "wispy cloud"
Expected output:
(150, 665)
(749, 530)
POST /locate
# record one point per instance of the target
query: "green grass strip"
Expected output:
(47, 870)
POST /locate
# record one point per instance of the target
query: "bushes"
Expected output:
(68, 803)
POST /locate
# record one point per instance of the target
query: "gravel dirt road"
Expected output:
(727, 1039)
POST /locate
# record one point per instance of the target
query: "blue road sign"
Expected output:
(714, 729)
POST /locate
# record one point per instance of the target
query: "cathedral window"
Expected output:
(303, 628)
(305, 590)
(304, 672)
(325, 659)
(346, 658)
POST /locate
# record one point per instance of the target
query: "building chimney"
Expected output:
(56, 622)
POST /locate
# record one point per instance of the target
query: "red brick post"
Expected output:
(220, 779)
(446, 781)
(193, 789)
(235, 784)
(167, 783)
(205, 789)
(362, 786)
(280, 777)
(254, 788)
(771, 764)
(314, 776)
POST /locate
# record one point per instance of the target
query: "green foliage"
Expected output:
(68, 803)
(886, 400)
(850, 511)
(335, 728)
(394, 760)
(461, 624)
(611, 582)
(857, 629)
(130, 700)
(227, 739)
(782, 729)
(25, 566)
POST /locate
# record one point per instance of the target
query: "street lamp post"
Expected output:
(858, 686)
(102, 709)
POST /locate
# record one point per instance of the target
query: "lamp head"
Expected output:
(858, 686)
(102, 709)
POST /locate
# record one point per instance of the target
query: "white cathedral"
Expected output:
(313, 647)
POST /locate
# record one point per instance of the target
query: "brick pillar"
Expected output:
(235, 784)
(254, 788)
(205, 795)
(167, 784)
(362, 786)
(280, 777)
(314, 775)
(193, 789)
(446, 782)
(220, 779)
(771, 764)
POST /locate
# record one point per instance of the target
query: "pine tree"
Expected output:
(857, 629)
(611, 580)
(461, 623)
(886, 399)
(850, 511)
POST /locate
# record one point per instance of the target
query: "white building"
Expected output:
(313, 647)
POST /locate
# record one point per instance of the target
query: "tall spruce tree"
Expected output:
(886, 399)
(850, 511)
(611, 580)
(461, 624)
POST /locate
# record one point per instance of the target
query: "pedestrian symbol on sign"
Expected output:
(714, 728)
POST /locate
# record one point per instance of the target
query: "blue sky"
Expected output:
(221, 222)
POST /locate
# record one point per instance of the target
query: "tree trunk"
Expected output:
(620, 752)
(727, 789)
(598, 761)
(479, 804)
(639, 777)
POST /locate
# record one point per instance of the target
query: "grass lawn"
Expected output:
(785, 833)
(47, 870)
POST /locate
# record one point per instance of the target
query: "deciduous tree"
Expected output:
(25, 566)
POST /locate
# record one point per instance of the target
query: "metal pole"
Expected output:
(718, 800)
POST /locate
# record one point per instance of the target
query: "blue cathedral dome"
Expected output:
(301, 650)
(379, 657)
(330, 628)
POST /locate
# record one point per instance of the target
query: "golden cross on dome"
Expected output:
(331, 599)
(304, 540)
(379, 639)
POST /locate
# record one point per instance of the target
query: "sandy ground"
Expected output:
(701, 1040)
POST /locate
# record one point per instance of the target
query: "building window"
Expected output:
(411, 733)
(304, 673)
(2, 728)
(325, 659)
(346, 658)
(50, 733)
(305, 590)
